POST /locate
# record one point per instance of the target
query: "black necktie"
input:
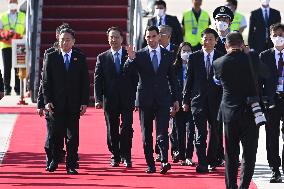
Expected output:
(280, 65)
(208, 65)
(160, 21)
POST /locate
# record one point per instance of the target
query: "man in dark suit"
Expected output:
(41, 106)
(260, 21)
(156, 94)
(161, 18)
(115, 92)
(165, 42)
(66, 95)
(1, 86)
(204, 96)
(235, 110)
(273, 89)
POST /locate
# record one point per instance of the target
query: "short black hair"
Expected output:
(160, 2)
(210, 30)
(233, 2)
(152, 28)
(68, 30)
(234, 39)
(62, 26)
(114, 28)
(276, 26)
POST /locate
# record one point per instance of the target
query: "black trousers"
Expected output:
(7, 64)
(162, 116)
(173, 138)
(66, 124)
(119, 133)
(220, 150)
(185, 127)
(49, 143)
(272, 129)
(242, 130)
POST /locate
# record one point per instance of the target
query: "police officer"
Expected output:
(194, 22)
(223, 18)
(235, 111)
(13, 21)
(239, 23)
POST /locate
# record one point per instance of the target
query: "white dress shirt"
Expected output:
(263, 11)
(158, 52)
(114, 56)
(211, 55)
(163, 20)
(167, 47)
(277, 56)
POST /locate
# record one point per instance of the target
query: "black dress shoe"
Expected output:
(221, 163)
(165, 167)
(276, 177)
(72, 171)
(53, 166)
(202, 169)
(151, 169)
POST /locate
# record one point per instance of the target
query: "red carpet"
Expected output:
(24, 164)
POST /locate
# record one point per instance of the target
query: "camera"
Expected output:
(259, 116)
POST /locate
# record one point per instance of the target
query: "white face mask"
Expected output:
(222, 26)
(265, 2)
(278, 41)
(185, 55)
(160, 12)
(13, 6)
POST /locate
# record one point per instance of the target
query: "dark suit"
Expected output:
(237, 115)
(257, 38)
(173, 135)
(117, 92)
(1, 83)
(205, 98)
(183, 121)
(156, 93)
(274, 115)
(67, 90)
(220, 46)
(172, 21)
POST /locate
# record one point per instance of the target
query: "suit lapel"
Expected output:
(110, 61)
(163, 56)
(273, 62)
(61, 62)
(202, 65)
(261, 16)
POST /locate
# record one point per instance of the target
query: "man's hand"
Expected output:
(40, 112)
(1, 95)
(176, 106)
(99, 105)
(49, 107)
(131, 52)
(185, 107)
(83, 109)
(172, 112)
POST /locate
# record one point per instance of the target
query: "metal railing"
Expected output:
(134, 26)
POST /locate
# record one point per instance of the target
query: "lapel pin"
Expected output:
(75, 59)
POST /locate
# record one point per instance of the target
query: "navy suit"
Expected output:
(67, 90)
(204, 96)
(274, 115)
(117, 92)
(156, 93)
(257, 29)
